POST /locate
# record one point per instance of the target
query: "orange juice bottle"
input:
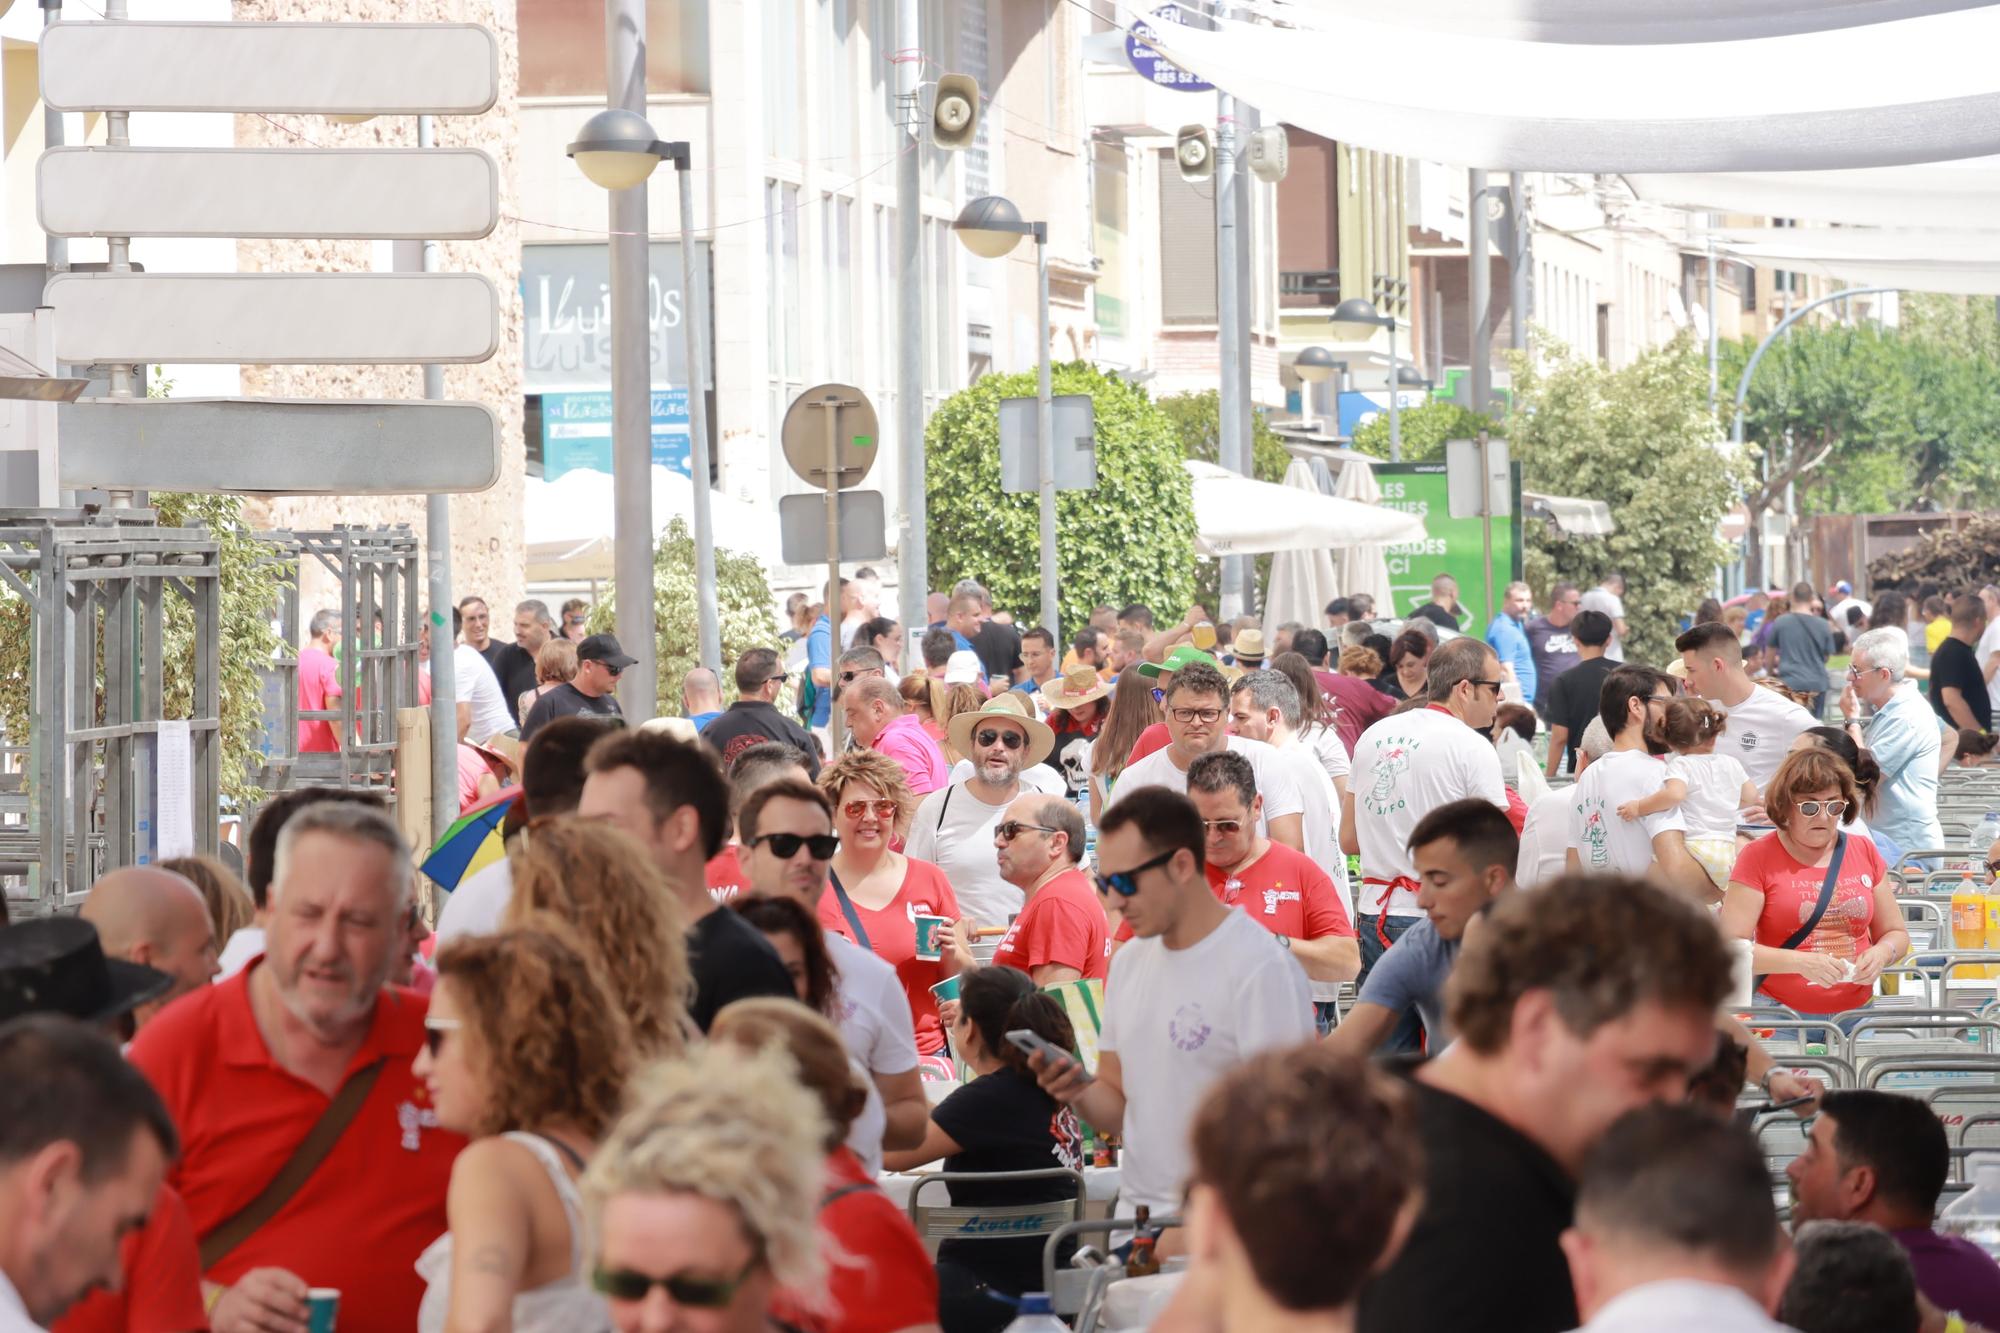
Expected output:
(1971, 911)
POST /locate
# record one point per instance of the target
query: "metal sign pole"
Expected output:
(1486, 525)
(834, 729)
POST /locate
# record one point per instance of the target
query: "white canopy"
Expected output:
(1235, 515)
(1941, 194)
(568, 523)
(1751, 92)
(1302, 582)
(1361, 568)
(1895, 244)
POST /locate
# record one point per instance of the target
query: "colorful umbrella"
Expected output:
(472, 842)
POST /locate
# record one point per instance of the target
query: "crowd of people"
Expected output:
(1260, 913)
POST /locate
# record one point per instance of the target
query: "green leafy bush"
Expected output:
(1129, 539)
(1424, 430)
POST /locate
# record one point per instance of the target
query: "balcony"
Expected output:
(1308, 287)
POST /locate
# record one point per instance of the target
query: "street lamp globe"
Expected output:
(1356, 310)
(990, 226)
(1409, 377)
(1313, 365)
(617, 149)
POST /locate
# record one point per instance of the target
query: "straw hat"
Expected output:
(1076, 687)
(502, 750)
(1007, 706)
(1250, 646)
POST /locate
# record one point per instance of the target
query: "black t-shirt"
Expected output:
(514, 667)
(749, 722)
(1484, 1253)
(566, 700)
(1574, 700)
(1439, 616)
(1005, 1122)
(999, 650)
(1955, 664)
(731, 960)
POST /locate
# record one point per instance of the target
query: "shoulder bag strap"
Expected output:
(1811, 923)
(943, 806)
(834, 1196)
(298, 1168)
(847, 910)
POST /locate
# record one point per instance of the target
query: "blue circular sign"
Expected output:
(1155, 67)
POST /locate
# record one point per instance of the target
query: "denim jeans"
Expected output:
(1408, 1033)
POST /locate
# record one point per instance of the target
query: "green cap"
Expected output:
(1178, 658)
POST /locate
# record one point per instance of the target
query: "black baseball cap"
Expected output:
(604, 648)
(57, 965)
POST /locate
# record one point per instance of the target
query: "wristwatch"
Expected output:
(1285, 940)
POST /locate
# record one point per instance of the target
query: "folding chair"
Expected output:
(939, 1222)
(1916, 1075)
(1079, 1292)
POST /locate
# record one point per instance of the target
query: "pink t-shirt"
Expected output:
(1790, 890)
(319, 682)
(472, 767)
(904, 741)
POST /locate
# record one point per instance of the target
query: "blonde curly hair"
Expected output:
(547, 1036)
(730, 1125)
(874, 769)
(604, 886)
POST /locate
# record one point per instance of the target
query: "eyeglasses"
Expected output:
(1229, 826)
(435, 1031)
(1857, 672)
(1205, 715)
(1993, 869)
(785, 846)
(1125, 883)
(1811, 808)
(882, 809)
(1014, 828)
(1013, 740)
(696, 1293)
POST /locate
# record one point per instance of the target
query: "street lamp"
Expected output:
(1314, 366)
(990, 226)
(618, 150)
(1360, 310)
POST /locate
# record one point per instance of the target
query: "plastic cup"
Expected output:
(930, 938)
(946, 989)
(322, 1309)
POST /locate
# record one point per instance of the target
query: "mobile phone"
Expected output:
(1787, 1105)
(1029, 1042)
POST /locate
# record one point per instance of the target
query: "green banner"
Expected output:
(1453, 546)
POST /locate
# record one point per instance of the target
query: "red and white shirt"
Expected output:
(1284, 892)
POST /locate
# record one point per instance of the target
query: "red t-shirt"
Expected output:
(1790, 891)
(162, 1270)
(1154, 737)
(319, 681)
(1062, 924)
(725, 875)
(892, 936)
(1284, 892)
(878, 1277)
(372, 1206)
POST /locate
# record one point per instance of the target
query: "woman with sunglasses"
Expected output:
(875, 895)
(878, 1277)
(527, 1055)
(702, 1199)
(1816, 904)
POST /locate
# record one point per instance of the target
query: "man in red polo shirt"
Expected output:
(248, 1067)
(1060, 933)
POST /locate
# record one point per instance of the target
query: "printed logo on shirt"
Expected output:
(1392, 763)
(1272, 897)
(722, 893)
(1747, 740)
(412, 1121)
(1189, 1029)
(1559, 643)
(1596, 838)
(1066, 1139)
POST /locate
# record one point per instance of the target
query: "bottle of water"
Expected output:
(1975, 1214)
(1037, 1316)
(1984, 835)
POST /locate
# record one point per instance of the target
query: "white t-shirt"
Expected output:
(1760, 730)
(864, 1136)
(1320, 815)
(1277, 782)
(1611, 604)
(1544, 840)
(1035, 777)
(1181, 1018)
(477, 904)
(1715, 785)
(238, 950)
(875, 1025)
(1333, 756)
(476, 684)
(1405, 766)
(953, 829)
(1606, 844)
(1989, 644)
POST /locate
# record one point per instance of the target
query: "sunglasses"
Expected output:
(612, 671)
(785, 846)
(781, 678)
(1196, 714)
(1125, 883)
(882, 809)
(1013, 740)
(1993, 869)
(696, 1293)
(1159, 695)
(1014, 828)
(1230, 826)
(1495, 685)
(435, 1031)
(1811, 808)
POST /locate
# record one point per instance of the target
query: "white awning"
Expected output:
(1579, 518)
(1483, 95)
(1895, 244)
(1235, 515)
(1960, 194)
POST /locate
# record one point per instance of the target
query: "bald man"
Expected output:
(144, 914)
(701, 697)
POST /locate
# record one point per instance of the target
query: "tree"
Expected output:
(1642, 440)
(1424, 430)
(743, 604)
(1129, 539)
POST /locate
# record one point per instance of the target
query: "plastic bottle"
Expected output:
(1968, 917)
(1975, 1214)
(1037, 1316)
(1984, 835)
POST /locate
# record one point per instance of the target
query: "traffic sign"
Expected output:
(275, 318)
(280, 446)
(848, 450)
(863, 527)
(1075, 416)
(1155, 67)
(334, 193)
(345, 69)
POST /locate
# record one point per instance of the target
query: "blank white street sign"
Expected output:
(380, 69)
(337, 193)
(278, 446)
(275, 318)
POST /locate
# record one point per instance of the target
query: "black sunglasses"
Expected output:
(1014, 828)
(785, 846)
(1013, 740)
(697, 1293)
(1125, 883)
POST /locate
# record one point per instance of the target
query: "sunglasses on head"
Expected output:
(1125, 883)
(857, 809)
(435, 1031)
(1014, 828)
(1013, 740)
(785, 846)
(696, 1293)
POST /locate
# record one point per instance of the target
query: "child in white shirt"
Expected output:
(1709, 788)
